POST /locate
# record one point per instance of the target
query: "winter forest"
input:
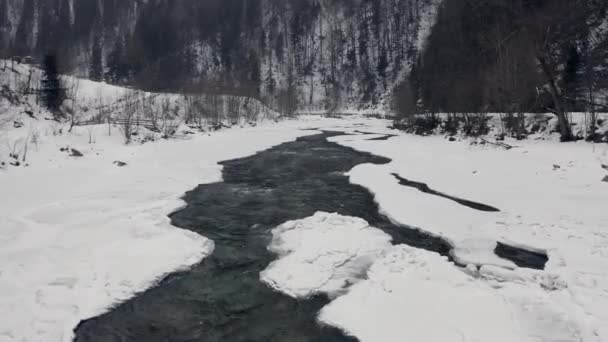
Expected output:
(330, 55)
(303, 170)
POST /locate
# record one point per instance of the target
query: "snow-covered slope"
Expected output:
(24, 121)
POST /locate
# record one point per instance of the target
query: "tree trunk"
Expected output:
(562, 118)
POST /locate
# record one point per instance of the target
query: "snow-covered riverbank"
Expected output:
(552, 199)
(79, 234)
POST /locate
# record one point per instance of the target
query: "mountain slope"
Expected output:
(295, 54)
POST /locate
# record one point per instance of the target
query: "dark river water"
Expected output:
(222, 298)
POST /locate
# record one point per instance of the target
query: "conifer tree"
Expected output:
(96, 64)
(51, 88)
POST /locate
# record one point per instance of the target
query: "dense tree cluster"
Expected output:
(52, 91)
(512, 56)
(482, 55)
(291, 53)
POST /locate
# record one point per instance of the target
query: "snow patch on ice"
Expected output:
(80, 235)
(559, 211)
(322, 254)
(416, 295)
(399, 293)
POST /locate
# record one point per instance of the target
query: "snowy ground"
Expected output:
(79, 234)
(552, 199)
(329, 251)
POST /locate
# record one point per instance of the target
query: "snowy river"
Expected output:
(222, 298)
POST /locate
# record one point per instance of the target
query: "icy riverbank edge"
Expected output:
(81, 234)
(552, 200)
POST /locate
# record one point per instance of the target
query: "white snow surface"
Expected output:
(78, 235)
(552, 199)
(331, 252)
(416, 295)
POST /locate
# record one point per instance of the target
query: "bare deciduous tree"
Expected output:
(553, 28)
(70, 107)
(128, 115)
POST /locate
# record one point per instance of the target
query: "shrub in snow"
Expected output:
(424, 124)
(475, 125)
(514, 125)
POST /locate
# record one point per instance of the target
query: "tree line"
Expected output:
(288, 53)
(512, 56)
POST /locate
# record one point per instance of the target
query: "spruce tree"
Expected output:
(96, 66)
(51, 88)
(23, 36)
(116, 69)
(4, 26)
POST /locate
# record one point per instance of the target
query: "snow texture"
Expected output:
(79, 235)
(416, 295)
(552, 200)
(331, 252)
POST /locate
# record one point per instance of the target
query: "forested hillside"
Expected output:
(513, 56)
(411, 56)
(312, 54)
(303, 170)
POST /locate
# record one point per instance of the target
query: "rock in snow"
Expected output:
(75, 153)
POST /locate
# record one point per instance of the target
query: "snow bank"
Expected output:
(551, 199)
(399, 293)
(416, 295)
(98, 102)
(80, 234)
(322, 254)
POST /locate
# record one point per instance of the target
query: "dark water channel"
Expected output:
(222, 298)
(522, 257)
(426, 189)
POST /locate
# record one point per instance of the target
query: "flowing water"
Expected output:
(222, 298)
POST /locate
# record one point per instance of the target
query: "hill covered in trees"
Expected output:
(314, 54)
(513, 56)
(412, 55)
